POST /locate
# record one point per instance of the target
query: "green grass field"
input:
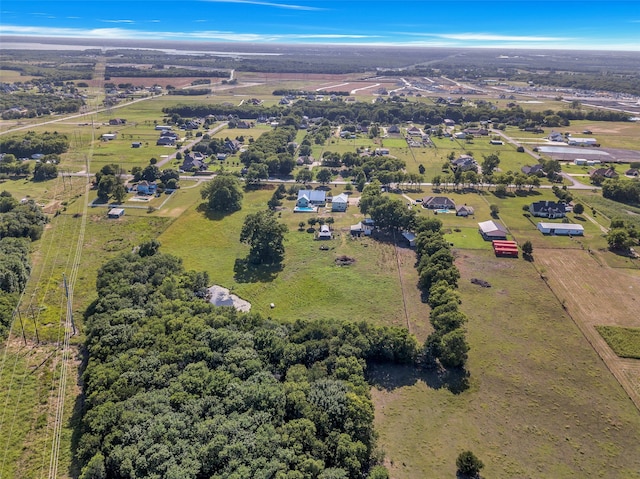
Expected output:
(625, 342)
(541, 403)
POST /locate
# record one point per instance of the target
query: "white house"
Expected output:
(566, 229)
(162, 127)
(340, 202)
(108, 136)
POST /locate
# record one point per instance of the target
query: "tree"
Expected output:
(490, 163)
(45, 171)
(151, 173)
(527, 249)
(119, 193)
(578, 208)
(454, 348)
(324, 176)
(619, 239)
(468, 464)
(494, 210)
(265, 236)
(304, 176)
(223, 194)
(257, 172)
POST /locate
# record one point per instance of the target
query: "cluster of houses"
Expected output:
(311, 200)
(167, 137)
(570, 140)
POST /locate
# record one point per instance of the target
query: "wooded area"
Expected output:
(178, 388)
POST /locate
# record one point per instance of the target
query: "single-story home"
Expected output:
(414, 131)
(108, 136)
(547, 209)
(555, 136)
(192, 163)
(632, 172)
(604, 172)
(115, 213)
(490, 230)
(532, 170)
(580, 161)
(340, 202)
(324, 233)
(312, 198)
(438, 203)
(136, 144)
(566, 229)
(162, 127)
(465, 163)
(464, 210)
(496, 142)
(166, 141)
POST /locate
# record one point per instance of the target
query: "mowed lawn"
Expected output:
(310, 284)
(541, 403)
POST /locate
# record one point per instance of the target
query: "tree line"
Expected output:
(161, 72)
(46, 143)
(391, 112)
(20, 223)
(175, 387)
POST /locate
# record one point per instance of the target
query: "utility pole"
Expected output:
(24, 337)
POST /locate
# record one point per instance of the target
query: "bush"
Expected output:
(520, 149)
(468, 464)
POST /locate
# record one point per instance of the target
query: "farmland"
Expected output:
(540, 373)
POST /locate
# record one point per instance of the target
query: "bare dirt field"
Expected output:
(360, 87)
(595, 294)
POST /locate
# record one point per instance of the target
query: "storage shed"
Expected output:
(566, 229)
(115, 213)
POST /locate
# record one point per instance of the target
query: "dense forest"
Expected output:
(159, 71)
(46, 143)
(175, 387)
(30, 105)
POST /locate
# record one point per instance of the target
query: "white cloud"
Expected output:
(130, 22)
(269, 4)
(492, 37)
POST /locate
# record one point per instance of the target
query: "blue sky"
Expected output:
(585, 24)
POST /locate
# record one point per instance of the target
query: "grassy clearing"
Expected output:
(625, 342)
(534, 381)
(310, 285)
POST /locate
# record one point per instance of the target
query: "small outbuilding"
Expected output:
(410, 237)
(115, 213)
(324, 233)
(563, 229)
(464, 210)
(490, 230)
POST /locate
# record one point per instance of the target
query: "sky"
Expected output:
(544, 24)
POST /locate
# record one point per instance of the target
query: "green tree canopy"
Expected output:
(223, 194)
(265, 236)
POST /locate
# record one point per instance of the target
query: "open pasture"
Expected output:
(534, 380)
(310, 284)
(588, 288)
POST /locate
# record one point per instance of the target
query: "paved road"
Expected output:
(190, 145)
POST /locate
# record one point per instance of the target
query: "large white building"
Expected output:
(566, 229)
